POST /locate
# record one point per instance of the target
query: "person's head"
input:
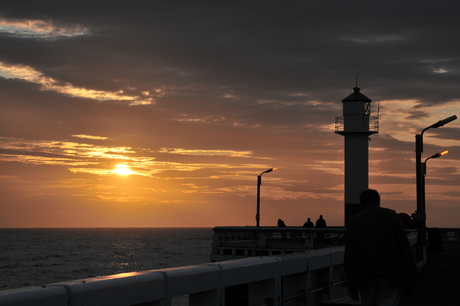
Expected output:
(369, 197)
(308, 219)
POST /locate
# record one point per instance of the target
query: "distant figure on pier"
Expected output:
(379, 263)
(320, 223)
(282, 224)
(308, 223)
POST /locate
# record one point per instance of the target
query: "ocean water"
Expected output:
(35, 257)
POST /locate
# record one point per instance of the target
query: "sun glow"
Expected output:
(121, 169)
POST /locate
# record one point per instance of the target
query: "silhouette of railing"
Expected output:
(299, 278)
(371, 126)
(239, 242)
(248, 241)
(450, 234)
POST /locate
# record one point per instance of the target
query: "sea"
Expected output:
(40, 256)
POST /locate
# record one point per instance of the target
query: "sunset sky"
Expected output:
(163, 113)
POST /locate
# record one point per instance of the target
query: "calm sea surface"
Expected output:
(34, 257)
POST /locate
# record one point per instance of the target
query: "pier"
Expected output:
(295, 276)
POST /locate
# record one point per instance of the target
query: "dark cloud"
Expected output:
(257, 48)
(446, 132)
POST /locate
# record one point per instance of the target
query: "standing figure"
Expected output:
(379, 263)
(282, 224)
(320, 223)
(308, 223)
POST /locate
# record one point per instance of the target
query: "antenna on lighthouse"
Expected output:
(356, 80)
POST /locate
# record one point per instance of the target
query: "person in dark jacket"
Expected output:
(308, 223)
(320, 223)
(379, 263)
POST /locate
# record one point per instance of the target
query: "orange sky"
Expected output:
(159, 117)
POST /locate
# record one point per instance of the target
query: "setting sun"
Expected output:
(122, 170)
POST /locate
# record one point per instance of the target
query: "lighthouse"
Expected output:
(356, 125)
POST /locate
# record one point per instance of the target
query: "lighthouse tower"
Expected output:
(356, 125)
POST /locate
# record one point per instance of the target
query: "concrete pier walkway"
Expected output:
(439, 281)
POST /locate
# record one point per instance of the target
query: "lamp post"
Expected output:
(259, 182)
(420, 214)
(423, 169)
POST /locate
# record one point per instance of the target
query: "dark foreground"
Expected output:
(439, 281)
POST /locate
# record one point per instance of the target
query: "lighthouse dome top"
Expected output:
(356, 96)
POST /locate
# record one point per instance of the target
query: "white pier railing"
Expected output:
(303, 278)
(292, 277)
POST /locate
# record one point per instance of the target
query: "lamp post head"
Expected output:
(443, 122)
(443, 152)
(447, 120)
(438, 155)
(269, 170)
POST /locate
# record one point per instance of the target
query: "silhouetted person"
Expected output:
(308, 223)
(282, 224)
(320, 223)
(379, 263)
